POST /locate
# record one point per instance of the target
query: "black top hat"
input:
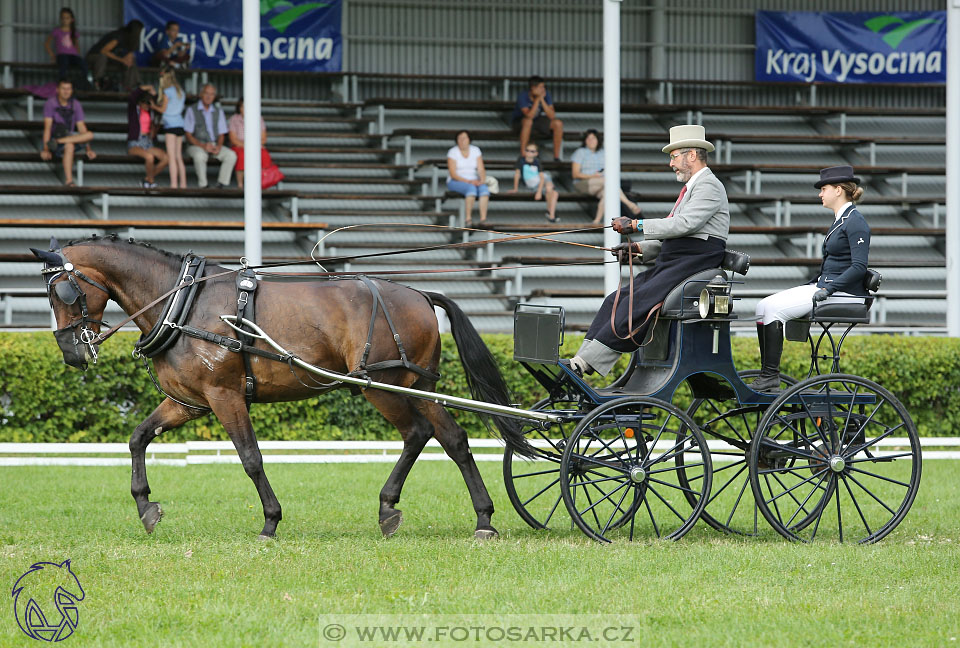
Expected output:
(836, 175)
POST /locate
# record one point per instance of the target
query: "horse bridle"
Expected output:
(69, 293)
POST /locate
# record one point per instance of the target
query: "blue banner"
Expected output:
(868, 47)
(297, 35)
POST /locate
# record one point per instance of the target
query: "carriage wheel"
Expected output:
(533, 486)
(825, 461)
(731, 507)
(618, 475)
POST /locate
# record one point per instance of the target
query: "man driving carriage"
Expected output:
(691, 238)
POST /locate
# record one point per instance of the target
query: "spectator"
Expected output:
(534, 113)
(116, 52)
(63, 124)
(140, 134)
(588, 161)
(61, 45)
(271, 175)
(534, 177)
(172, 99)
(206, 127)
(467, 176)
(173, 51)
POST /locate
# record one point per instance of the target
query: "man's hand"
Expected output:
(216, 149)
(208, 147)
(624, 225)
(821, 295)
(624, 251)
(128, 59)
(46, 155)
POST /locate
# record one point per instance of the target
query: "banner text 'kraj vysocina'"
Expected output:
(297, 35)
(868, 47)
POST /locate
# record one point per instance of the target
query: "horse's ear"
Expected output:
(54, 243)
(49, 258)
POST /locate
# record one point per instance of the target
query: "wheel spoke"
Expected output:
(542, 491)
(656, 529)
(552, 510)
(872, 442)
(538, 473)
(675, 467)
(856, 504)
(794, 487)
(674, 486)
(736, 505)
(614, 513)
(868, 492)
(876, 476)
(767, 443)
(729, 481)
(801, 506)
(666, 503)
(601, 463)
(795, 499)
(606, 496)
(886, 458)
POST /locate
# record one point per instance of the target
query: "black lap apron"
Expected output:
(678, 259)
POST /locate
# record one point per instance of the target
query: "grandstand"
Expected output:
(368, 146)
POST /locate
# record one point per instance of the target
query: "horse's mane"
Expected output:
(113, 238)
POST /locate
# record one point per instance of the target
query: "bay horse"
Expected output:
(322, 321)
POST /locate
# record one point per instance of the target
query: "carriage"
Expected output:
(831, 456)
(678, 437)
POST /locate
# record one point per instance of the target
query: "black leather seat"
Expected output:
(843, 313)
(684, 300)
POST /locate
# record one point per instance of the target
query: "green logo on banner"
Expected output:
(282, 20)
(893, 37)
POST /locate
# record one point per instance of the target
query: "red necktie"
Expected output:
(679, 198)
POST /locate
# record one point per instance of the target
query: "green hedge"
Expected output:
(41, 399)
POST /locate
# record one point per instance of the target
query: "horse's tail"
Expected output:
(483, 377)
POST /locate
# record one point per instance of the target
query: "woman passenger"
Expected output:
(846, 249)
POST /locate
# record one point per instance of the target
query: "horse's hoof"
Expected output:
(389, 525)
(488, 533)
(151, 516)
(263, 537)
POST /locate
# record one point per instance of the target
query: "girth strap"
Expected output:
(403, 362)
(246, 290)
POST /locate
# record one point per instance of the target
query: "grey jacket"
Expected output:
(702, 213)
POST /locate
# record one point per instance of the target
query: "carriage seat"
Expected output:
(837, 313)
(683, 300)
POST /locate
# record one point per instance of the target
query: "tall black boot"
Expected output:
(770, 338)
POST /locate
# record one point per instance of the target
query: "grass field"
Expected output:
(204, 580)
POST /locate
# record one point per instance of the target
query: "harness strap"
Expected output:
(246, 289)
(231, 344)
(403, 362)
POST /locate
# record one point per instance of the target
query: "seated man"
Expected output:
(534, 113)
(691, 238)
(116, 52)
(64, 129)
(172, 50)
(205, 127)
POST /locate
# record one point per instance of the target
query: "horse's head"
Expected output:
(78, 302)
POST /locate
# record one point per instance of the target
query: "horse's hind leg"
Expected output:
(232, 412)
(415, 431)
(453, 438)
(167, 416)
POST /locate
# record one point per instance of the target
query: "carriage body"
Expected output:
(640, 456)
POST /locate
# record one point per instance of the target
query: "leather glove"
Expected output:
(820, 295)
(624, 251)
(624, 225)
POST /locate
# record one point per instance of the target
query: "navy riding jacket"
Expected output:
(846, 249)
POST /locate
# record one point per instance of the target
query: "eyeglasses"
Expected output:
(674, 156)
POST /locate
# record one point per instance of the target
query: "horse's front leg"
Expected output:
(167, 416)
(230, 409)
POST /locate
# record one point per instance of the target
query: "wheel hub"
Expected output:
(837, 464)
(638, 475)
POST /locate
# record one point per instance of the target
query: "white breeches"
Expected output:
(795, 303)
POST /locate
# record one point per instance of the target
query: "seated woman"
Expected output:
(587, 172)
(845, 252)
(467, 176)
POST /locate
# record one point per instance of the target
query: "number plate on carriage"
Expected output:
(537, 333)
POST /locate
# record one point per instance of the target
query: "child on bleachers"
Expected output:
(172, 100)
(534, 177)
(140, 134)
(61, 45)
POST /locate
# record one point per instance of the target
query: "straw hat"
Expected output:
(688, 136)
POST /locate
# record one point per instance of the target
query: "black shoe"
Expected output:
(220, 185)
(766, 383)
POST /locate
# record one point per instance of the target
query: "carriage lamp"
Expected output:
(715, 298)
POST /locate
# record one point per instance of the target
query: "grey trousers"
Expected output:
(100, 65)
(228, 159)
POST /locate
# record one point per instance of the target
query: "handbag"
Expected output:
(270, 173)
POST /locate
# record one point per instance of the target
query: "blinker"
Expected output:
(67, 292)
